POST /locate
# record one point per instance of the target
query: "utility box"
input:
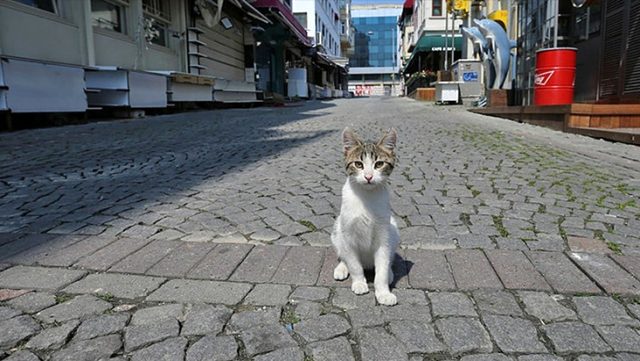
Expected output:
(447, 92)
(470, 74)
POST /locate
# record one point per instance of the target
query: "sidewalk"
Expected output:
(205, 236)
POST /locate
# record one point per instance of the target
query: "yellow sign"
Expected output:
(460, 7)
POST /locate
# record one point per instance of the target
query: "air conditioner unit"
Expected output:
(318, 38)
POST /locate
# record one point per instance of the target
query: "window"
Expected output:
(302, 19)
(46, 5)
(436, 9)
(157, 17)
(107, 15)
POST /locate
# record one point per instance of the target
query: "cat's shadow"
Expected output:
(401, 268)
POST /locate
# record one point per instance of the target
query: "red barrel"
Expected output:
(555, 76)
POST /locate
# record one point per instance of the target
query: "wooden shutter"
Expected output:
(632, 53)
(612, 49)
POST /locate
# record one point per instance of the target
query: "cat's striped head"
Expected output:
(367, 163)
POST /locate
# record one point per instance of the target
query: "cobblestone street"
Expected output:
(205, 236)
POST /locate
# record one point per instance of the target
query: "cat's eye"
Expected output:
(379, 164)
(358, 164)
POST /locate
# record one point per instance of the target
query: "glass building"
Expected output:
(375, 63)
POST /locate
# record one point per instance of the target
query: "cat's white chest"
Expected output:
(363, 216)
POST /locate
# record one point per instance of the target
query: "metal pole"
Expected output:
(555, 26)
(446, 39)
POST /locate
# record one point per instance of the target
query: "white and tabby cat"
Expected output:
(365, 234)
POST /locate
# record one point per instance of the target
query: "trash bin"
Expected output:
(555, 76)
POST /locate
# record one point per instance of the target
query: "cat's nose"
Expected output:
(368, 178)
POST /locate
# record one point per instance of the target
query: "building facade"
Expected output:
(321, 19)
(374, 66)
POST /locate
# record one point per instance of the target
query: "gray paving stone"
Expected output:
(627, 357)
(96, 349)
(416, 336)
(205, 319)
(486, 357)
(17, 329)
(101, 326)
(635, 309)
(221, 261)
(514, 334)
(67, 256)
(325, 278)
(245, 320)
(601, 310)
(139, 336)
(406, 312)
(38, 278)
(23, 355)
(143, 259)
(117, 285)
(574, 337)
(545, 307)
(268, 295)
(471, 270)
(310, 294)
(322, 328)
(195, 291)
(52, 338)
(595, 358)
(607, 273)
(106, 257)
(429, 270)
(181, 260)
(497, 302)
(376, 344)
(306, 310)
(265, 338)
(621, 338)
(8, 312)
(539, 358)
(515, 270)
(150, 315)
(222, 348)
(366, 316)
(79, 307)
(451, 304)
(169, 350)
(300, 266)
(33, 302)
(561, 273)
(462, 334)
(411, 297)
(260, 264)
(283, 354)
(337, 349)
(630, 263)
(346, 299)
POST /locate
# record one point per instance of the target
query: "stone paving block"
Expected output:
(574, 337)
(195, 291)
(8, 294)
(621, 338)
(545, 307)
(171, 349)
(346, 299)
(596, 358)
(587, 245)
(283, 354)
(181, 260)
(205, 319)
(300, 266)
(462, 334)
(220, 262)
(28, 249)
(515, 270)
(377, 345)
(326, 271)
(101, 326)
(33, 302)
(23, 355)
(265, 338)
(629, 263)
(222, 348)
(416, 336)
(117, 285)
(429, 270)
(8, 312)
(143, 259)
(487, 357)
(451, 304)
(635, 309)
(77, 308)
(366, 316)
(561, 273)
(318, 294)
(260, 264)
(307, 310)
(153, 314)
(95, 349)
(514, 334)
(268, 295)
(539, 358)
(497, 302)
(411, 297)
(627, 357)
(601, 310)
(400, 271)
(17, 329)
(406, 312)
(38, 278)
(139, 336)
(69, 255)
(607, 273)
(106, 257)
(337, 349)
(322, 328)
(471, 270)
(246, 320)
(52, 338)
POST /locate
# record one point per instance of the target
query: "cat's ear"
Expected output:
(349, 140)
(389, 139)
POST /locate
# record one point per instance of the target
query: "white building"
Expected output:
(321, 18)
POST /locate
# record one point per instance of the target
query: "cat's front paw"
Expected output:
(359, 288)
(387, 298)
(341, 272)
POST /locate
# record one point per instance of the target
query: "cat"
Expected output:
(365, 234)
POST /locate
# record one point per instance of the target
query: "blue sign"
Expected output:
(470, 76)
